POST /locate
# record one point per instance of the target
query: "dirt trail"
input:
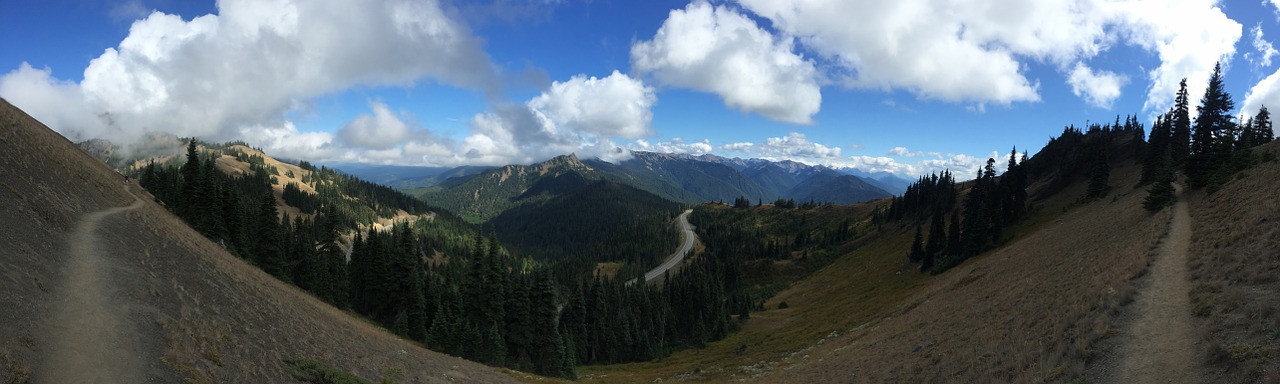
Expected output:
(1160, 348)
(90, 341)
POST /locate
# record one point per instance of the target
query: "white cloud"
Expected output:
(616, 105)
(1187, 36)
(794, 146)
(903, 151)
(1099, 89)
(1265, 92)
(382, 130)
(716, 49)
(963, 166)
(974, 51)
(216, 75)
(674, 145)
(579, 116)
(1264, 51)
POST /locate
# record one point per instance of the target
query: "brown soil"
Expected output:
(90, 341)
(1159, 347)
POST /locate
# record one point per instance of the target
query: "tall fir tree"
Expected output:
(1213, 126)
(1262, 125)
(1180, 132)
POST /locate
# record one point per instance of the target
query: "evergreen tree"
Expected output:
(190, 185)
(1212, 127)
(1159, 195)
(953, 234)
(268, 253)
(1157, 150)
(937, 237)
(1262, 125)
(1180, 129)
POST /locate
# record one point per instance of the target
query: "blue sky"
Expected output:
(908, 87)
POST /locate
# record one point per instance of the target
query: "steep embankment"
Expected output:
(198, 313)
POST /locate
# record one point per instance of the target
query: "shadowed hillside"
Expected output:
(193, 311)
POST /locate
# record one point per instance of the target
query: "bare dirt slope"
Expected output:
(1159, 347)
(197, 313)
(89, 340)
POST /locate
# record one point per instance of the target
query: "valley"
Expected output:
(1084, 261)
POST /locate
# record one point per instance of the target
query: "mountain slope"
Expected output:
(584, 219)
(199, 313)
(830, 186)
(1032, 309)
(482, 196)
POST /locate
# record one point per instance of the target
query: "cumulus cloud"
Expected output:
(581, 116)
(977, 51)
(215, 75)
(382, 130)
(1263, 49)
(719, 50)
(617, 105)
(1187, 36)
(794, 146)
(902, 151)
(1099, 89)
(674, 145)
(1265, 92)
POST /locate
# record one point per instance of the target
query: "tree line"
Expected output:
(1208, 150)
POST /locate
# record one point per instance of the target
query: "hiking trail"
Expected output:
(1160, 347)
(90, 338)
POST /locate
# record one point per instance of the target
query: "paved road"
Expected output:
(687, 237)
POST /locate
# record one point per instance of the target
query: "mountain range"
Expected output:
(479, 194)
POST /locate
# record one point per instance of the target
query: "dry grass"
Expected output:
(1235, 266)
(1030, 311)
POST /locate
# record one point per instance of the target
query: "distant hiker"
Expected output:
(126, 179)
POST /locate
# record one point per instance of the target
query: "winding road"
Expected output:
(687, 237)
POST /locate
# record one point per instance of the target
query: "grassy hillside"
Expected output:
(1032, 309)
(1235, 272)
(194, 312)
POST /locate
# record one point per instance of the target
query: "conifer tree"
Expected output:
(1262, 125)
(1157, 151)
(1180, 128)
(1212, 128)
(268, 253)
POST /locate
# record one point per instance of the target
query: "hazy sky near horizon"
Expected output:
(907, 86)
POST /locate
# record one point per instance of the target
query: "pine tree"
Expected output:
(268, 253)
(1157, 150)
(953, 234)
(1180, 145)
(937, 237)
(190, 185)
(1262, 125)
(1212, 128)
(1159, 195)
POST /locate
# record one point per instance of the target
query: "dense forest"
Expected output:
(438, 280)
